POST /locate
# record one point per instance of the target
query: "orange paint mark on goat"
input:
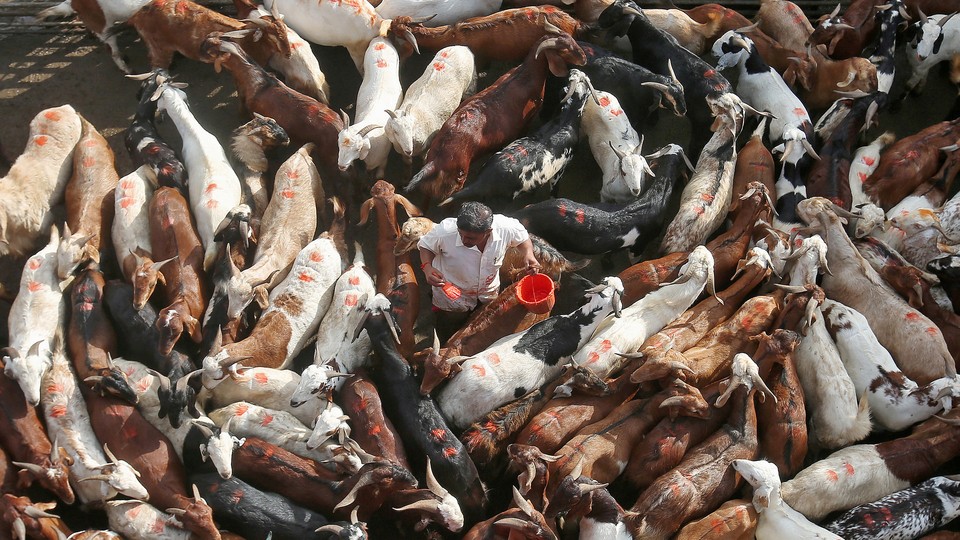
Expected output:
(127, 184)
(379, 47)
(579, 215)
(261, 378)
(287, 193)
(55, 388)
(912, 154)
(481, 371)
(303, 276)
(134, 511)
(350, 300)
(849, 469)
(616, 112)
(88, 161)
(34, 263)
(34, 286)
(439, 434)
(912, 316)
(58, 410)
(490, 426)
(698, 210)
(127, 202)
(799, 111)
(354, 280)
(52, 115)
(293, 174)
(593, 357)
(717, 525)
(493, 359)
(868, 160)
(862, 176)
(868, 520)
(241, 410)
(212, 203)
(707, 198)
(439, 66)
(181, 8)
(316, 256)
(41, 140)
(562, 209)
(832, 476)
(710, 73)
(374, 429)
(932, 330)
(450, 451)
(266, 420)
(886, 514)
(604, 101)
(158, 526)
(381, 63)
(606, 345)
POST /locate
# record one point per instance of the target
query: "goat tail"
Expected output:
(428, 170)
(63, 9)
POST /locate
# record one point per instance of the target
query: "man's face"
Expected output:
(471, 239)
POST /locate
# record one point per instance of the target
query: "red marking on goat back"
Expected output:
(316, 256)
(129, 431)
(579, 215)
(158, 526)
(604, 101)
(444, 54)
(494, 359)
(210, 187)
(719, 87)
(531, 14)
(606, 345)
(181, 8)
(707, 198)
(562, 209)
(287, 193)
(212, 203)
(90, 143)
(152, 149)
(127, 184)
(86, 306)
(374, 429)
(354, 280)
(58, 410)
(127, 202)
(439, 66)
(616, 112)
(698, 210)
(261, 378)
(237, 495)
(350, 300)
(144, 384)
(912, 154)
(862, 176)
(52, 115)
(296, 45)
(717, 525)
(481, 371)
(912, 316)
(932, 330)
(381, 63)
(88, 162)
(849, 469)
(450, 451)
(868, 160)
(710, 73)
(241, 409)
(303, 276)
(134, 511)
(675, 489)
(34, 263)
(886, 514)
(593, 357)
(34, 286)
(379, 47)
(439, 434)
(800, 111)
(832, 476)
(490, 426)
(41, 140)
(267, 418)
(55, 388)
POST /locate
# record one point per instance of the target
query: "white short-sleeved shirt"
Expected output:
(476, 273)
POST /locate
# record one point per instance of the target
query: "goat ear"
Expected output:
(261, 297)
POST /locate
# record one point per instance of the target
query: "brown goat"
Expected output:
(846, 35)
(783, 435)
(372, 430)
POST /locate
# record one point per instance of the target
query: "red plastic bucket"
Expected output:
(535, 292)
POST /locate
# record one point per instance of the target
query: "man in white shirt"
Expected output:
(461, 259)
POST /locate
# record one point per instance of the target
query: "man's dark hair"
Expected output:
(475, 217)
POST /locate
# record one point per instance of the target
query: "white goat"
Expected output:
(267, 387)
(431, 99)
(214, 186)
(95, 478)
(100, 17)
(938, 41)
(37, 180)
(302, 70)
(130, 231)
(441, 12)
(379, 92)
(616, 148)
(520, 362)
(37, 321)
(777, 520)
(137, 520)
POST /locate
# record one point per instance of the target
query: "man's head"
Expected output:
(474, 223)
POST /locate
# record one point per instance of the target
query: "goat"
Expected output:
(647, 316)
(937, 40)
(267, 387)
(36, 321)
(28, 446)
(785, 22)
(922, 355)
(180, 26)
(89, 201)
(214, 186)
(509, 104)
(440, 12)
(144, 143)
(34, 519)
(138, 520)
(288, 224)
(503, 36)
(373, 431)
(821, 78)
(303, 118)
(704, 477)
(300, 70)
(846, 35)
(97, 474)
(379, 91)
(99, 17)
(580, 228)
(130, 231)
(689, 33)
(736, 519)
(418, 418)
(535, 160)
(659, 52)
(601, 516)
(865, 160)
(37, 180)
(524, 360)
(296, 306)
(351, 25)
(918, 509)
(91, 339)
(250, 143)
(430, 100)
(784, 439)
(754, 164)
(432, 504)
(776, 517)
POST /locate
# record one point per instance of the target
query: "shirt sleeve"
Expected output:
(431, 241)
(512, 231)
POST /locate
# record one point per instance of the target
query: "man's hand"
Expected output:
(434, 276)
(533, 267)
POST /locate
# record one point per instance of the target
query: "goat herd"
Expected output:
(196, 349)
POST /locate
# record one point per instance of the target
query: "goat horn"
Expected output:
(391, 113)
(34, 349)
(616, 151)
(37, 513)
(843, 26)
(351, 497)
(367, 129)
(432, 484)
(587, 488)
(392, 326)
(176, 511)
(100, 477)
(140, 77)
(19, 529)
(205, 429)
(428, 506)
(551, 28)
(750, 28)
(332, 528)
(10, 352)
(764, 389)
(545, 44)
(231, 360)
(577, 471)
(196, 494)
(923, 16)
(344, 117)
(55, 450)
(835, 12)
(164, 380)
(944, 20)
(657, 86)
(436, 342)
(522, 503)
(951, 421)
(410, 38)
(630, 10)
(37, 470)
(110, 456)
